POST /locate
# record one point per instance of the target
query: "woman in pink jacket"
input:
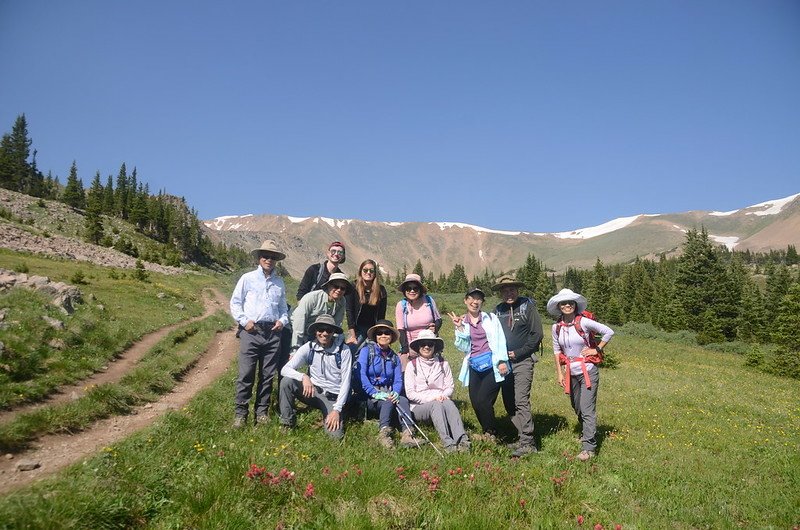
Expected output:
(429, 385)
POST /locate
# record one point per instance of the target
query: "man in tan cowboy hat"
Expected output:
(258, 305)
(328, 300)
(522, 327)
(317, 274)
(326, 386)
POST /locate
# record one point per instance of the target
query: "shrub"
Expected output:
(139, 273)
(21, 268)
(79, 278)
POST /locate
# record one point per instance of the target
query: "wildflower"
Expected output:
(326, 471)
(309, 490)
(598, 526)
(580, 520)
(522, 503)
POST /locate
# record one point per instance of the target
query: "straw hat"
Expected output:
(383, 324)
(338, 277)
(412, 278)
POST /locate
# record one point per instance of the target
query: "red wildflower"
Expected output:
(580, 520)
(309, 490)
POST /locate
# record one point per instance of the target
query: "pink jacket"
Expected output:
(427, 379)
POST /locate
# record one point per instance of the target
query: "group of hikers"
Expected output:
(338, 371)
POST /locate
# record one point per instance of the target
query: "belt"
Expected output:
(329, 395)
(264, 325)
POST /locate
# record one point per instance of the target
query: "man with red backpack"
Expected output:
(522, 327)
(576, 348)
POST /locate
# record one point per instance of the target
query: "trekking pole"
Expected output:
(407, 419)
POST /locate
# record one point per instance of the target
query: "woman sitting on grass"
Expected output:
(382, 383)
(480, 336)
(573, 346)
(429, 385)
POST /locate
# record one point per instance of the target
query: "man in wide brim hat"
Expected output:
(268, 248)
(330, 300)
(258, 304)
(522, 328)
(566, 295)
(383, 324)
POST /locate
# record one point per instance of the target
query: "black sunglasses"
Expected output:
(379, 332)
(426, 344)
(326, 329)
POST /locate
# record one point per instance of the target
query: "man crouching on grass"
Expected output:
(327, 384)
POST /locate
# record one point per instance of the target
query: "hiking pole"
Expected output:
(406, 418)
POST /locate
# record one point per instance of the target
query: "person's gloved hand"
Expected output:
(393, 396)
(380, 396)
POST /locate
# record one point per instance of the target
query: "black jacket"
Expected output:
(354, 308)
(315, 276)
(522, 327)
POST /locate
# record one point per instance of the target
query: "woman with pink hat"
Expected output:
(415, 312)
(575, 348)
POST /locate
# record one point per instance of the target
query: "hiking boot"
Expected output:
(285, 429)
(451, 448)
(485, 437)
(239, 422)
(385, 438)
(583, 456)
(464, 446)
(263, 419)
(523, 450)
(407, 439)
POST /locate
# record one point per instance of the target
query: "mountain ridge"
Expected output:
(765, 226)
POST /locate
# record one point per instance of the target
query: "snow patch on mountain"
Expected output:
(773, 207)
(222, 223)
(728, 241)
(594, 231)
(443, 226)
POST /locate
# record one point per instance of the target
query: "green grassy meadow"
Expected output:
(690, 438)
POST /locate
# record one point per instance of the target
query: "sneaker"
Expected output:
(239, 422)
(583, 456)
(385, 438)
(522, 450)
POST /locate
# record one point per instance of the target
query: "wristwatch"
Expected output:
(599, 350)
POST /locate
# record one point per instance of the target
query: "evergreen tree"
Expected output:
(529, 275)
(430, 282)
(94, 209)
(418, 269)
(598, 292)
(572, 280)
(778, 279)
(700, 278)
(74, 194)
(791, 256)
(121, 193)
(457, 279)
(108, 196)
(751, 324)
(15, 149)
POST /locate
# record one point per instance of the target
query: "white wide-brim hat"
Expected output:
(427, 334)
(565, 295)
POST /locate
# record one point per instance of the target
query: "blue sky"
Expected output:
(514, 115)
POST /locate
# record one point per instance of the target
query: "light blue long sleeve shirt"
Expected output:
(259, 298)
(497, 343)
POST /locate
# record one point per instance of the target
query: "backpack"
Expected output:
(338, 354)
(590, 339)
(372, 352)
(320, 272)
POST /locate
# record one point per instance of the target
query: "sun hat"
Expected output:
(385, 324)
(427, 334)
(323, 320)
(471, 290)
(339, 244)
(565, 295)
(268, 246)
(507, 281)
(412, 278)
(340, 277)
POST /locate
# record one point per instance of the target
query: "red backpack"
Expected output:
(588, 337)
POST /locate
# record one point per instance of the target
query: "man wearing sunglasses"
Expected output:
(330, 300)
(318, 274)
(258, 305)
(327, 384)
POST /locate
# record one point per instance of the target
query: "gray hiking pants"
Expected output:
(516, 391)
(292, 390)
(258, 362)
(584, 403)
(445, 418)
